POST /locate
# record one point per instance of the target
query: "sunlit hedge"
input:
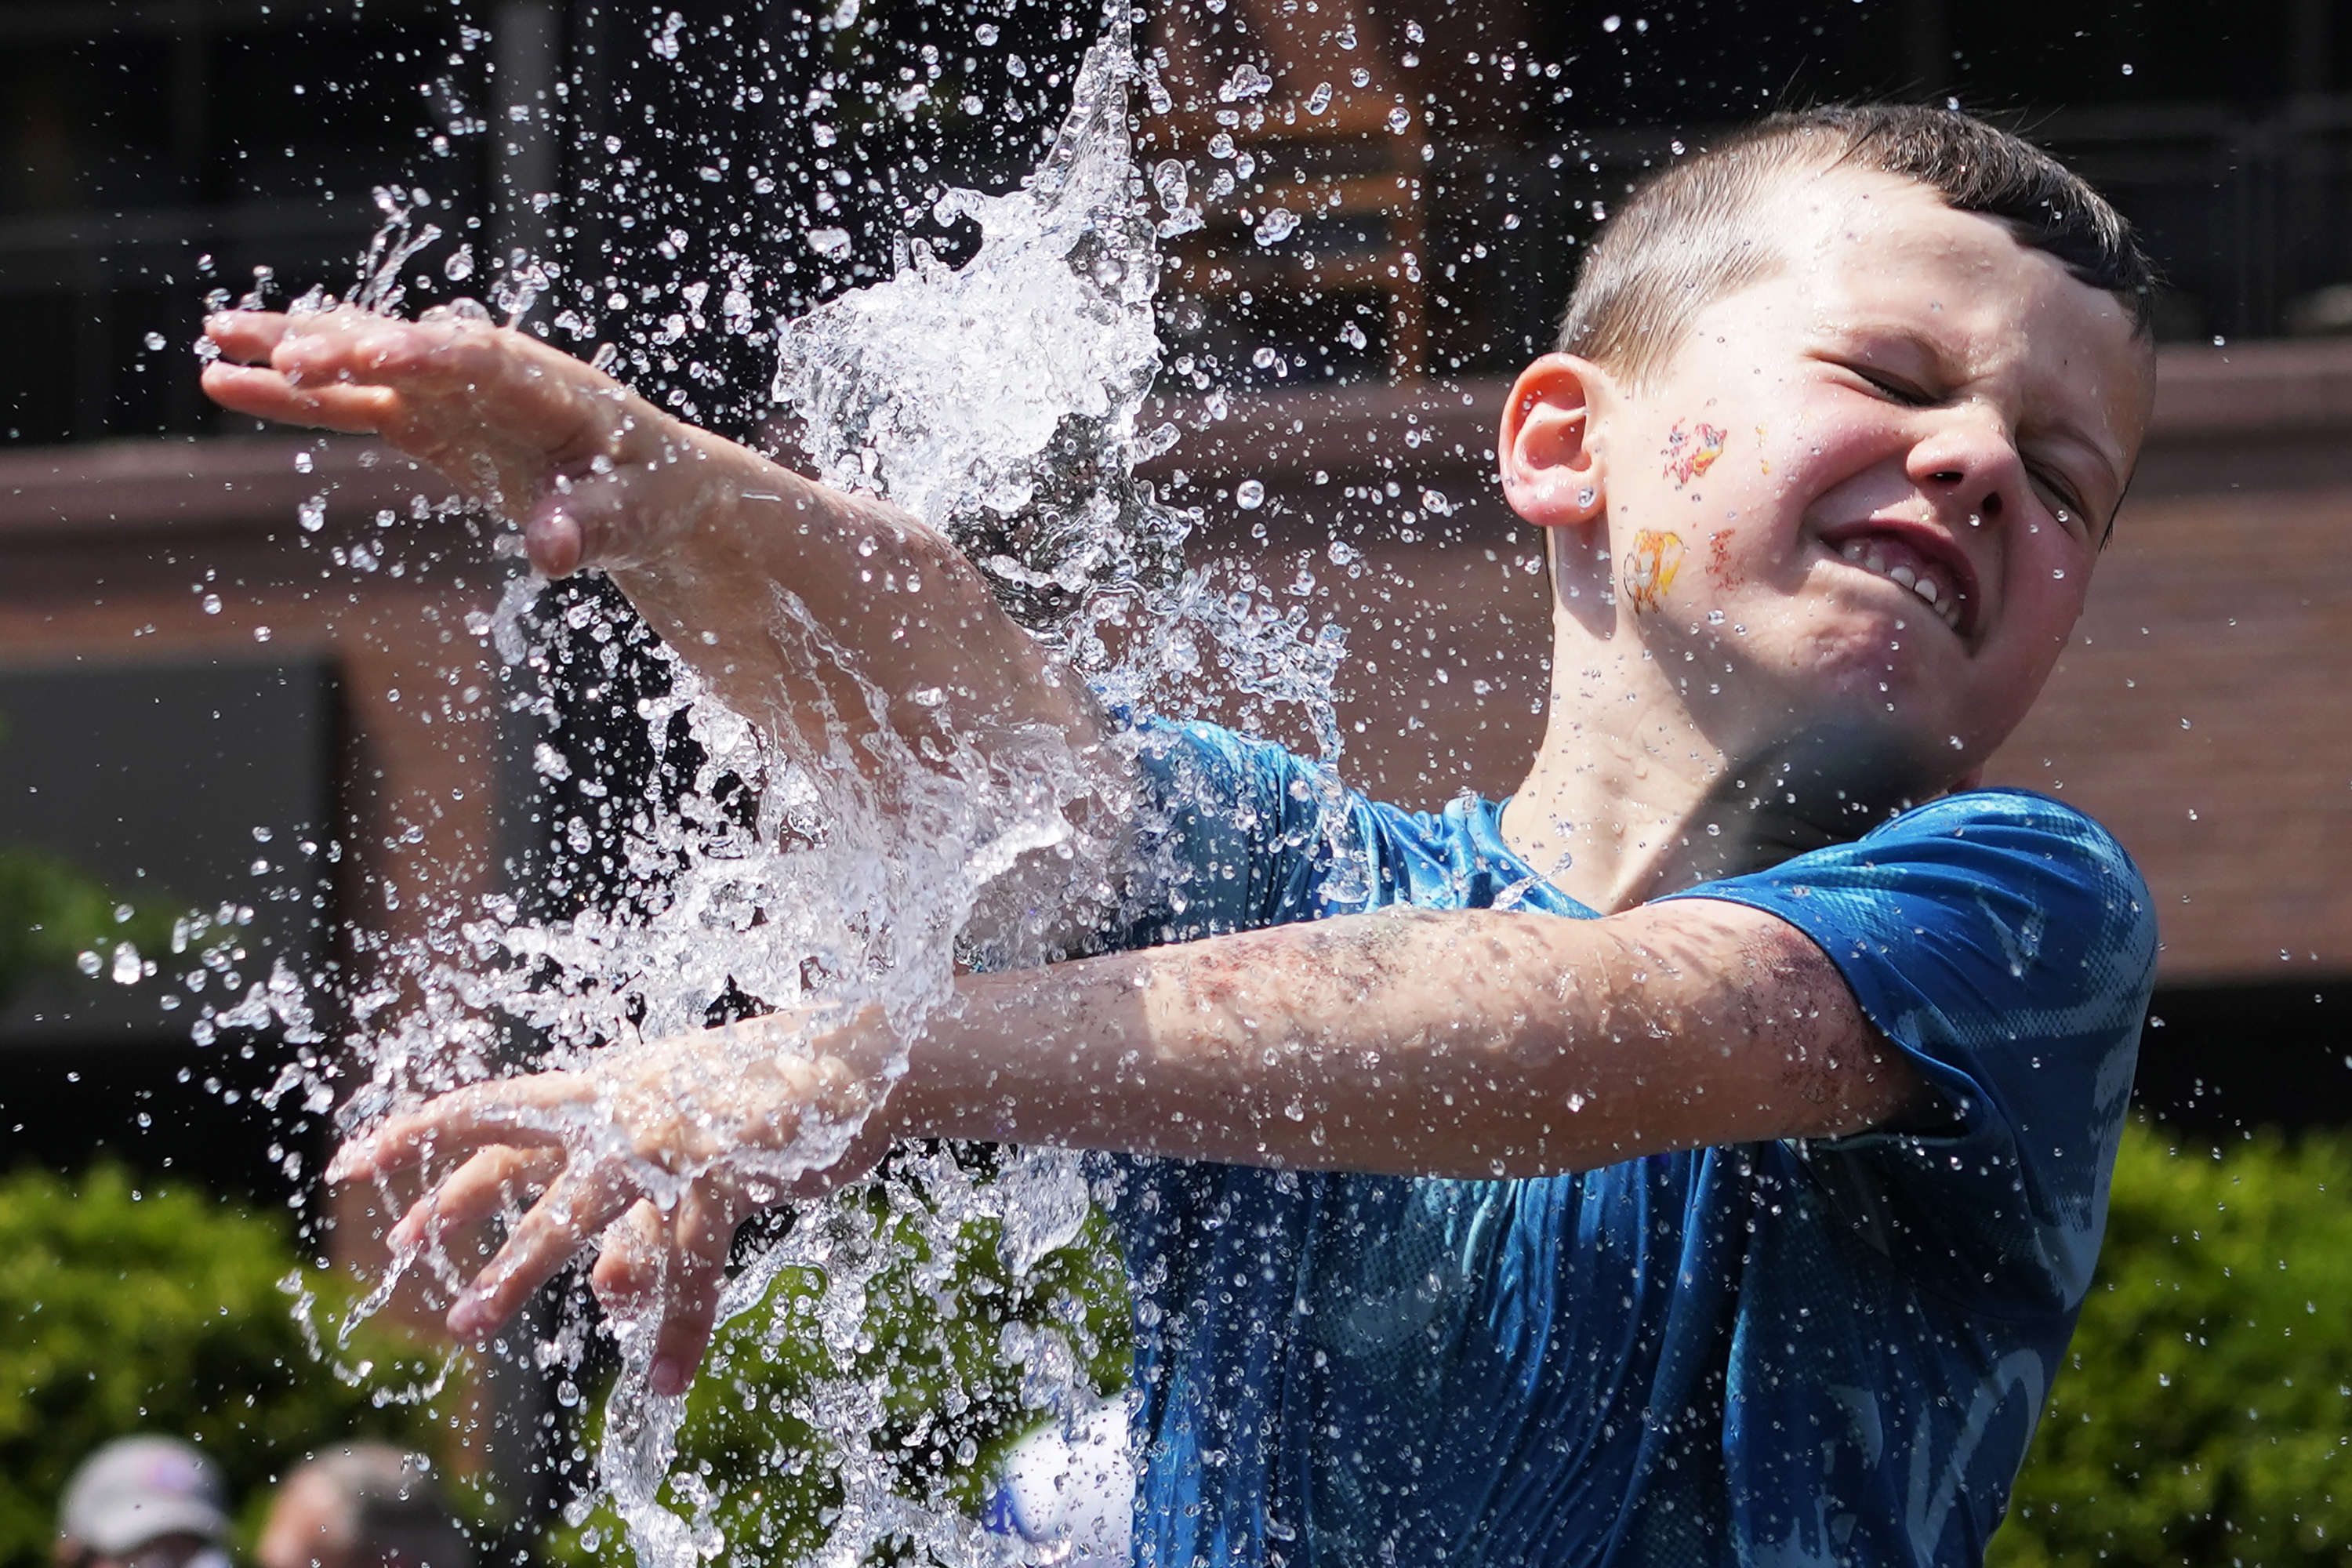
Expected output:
(2207, 1418)
(125, 1309)
(2207, 1414)
(932, 1362)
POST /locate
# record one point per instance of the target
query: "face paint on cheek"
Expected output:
(1690, 453)
(1719, 557)
(1650, 568)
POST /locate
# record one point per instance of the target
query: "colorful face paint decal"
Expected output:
(1689, 453)
(1718, 556)
(1650, 568)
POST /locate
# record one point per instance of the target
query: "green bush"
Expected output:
(2206, 1416)
(127, 1309)
(51, 912)
(931, 1338)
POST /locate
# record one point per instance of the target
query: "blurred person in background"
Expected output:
(366, 1505)
(144, 1502)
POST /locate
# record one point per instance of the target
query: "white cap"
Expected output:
(138, 1490)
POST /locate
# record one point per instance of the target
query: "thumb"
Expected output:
(627, 517)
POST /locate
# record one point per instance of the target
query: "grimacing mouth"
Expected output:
(1916, 557)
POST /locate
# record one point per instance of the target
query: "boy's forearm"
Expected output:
(780, 590)
(1464, 1043)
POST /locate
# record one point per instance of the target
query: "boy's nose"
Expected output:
(1967, 462)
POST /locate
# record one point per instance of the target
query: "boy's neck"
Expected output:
(1629, 799)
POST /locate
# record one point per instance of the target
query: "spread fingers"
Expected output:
(516, 1110)
(496, 1178)
(577, 1206)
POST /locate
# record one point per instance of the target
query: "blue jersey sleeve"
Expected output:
(2006, 945)
(1238, 834)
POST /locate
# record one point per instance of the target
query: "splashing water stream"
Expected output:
(999, 400)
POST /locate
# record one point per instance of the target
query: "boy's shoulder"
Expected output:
(1279, 836)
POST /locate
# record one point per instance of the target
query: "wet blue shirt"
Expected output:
(1776, 1352)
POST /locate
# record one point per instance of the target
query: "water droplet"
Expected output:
(212, 604)
(261, 633)
(1169, 179)
(1249, 495)
(1400, 118)
(1611, 24)
(831, 243)
(1247, 81)
(460, 265)
(1275, 226)
(154, 342)
(312, 513)
(1321, 98)
(126, 969)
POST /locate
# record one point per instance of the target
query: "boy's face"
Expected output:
(1866, 493)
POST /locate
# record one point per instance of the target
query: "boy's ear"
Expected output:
(1552, 476)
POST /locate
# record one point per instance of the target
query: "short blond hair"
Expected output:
(1693, 233)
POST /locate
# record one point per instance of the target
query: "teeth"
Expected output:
(1946, 602)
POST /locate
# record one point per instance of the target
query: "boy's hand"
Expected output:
(702, 534)
(692, 1116)
(592, 473)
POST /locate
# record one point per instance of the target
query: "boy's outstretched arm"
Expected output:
(1444, 1042)
(1466, 1043)
(706, 537)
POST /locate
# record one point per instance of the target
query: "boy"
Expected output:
(1737, 1211)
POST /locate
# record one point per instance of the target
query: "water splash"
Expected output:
(825, 866)
(998, 401)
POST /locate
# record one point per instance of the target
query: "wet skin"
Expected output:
(1912, 374)
(1922, 390)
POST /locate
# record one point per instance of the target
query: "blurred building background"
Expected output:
(242, 671)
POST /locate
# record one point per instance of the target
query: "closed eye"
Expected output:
(1906, 392)
(2069, 502)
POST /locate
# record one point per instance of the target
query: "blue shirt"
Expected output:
(1776, 1352)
